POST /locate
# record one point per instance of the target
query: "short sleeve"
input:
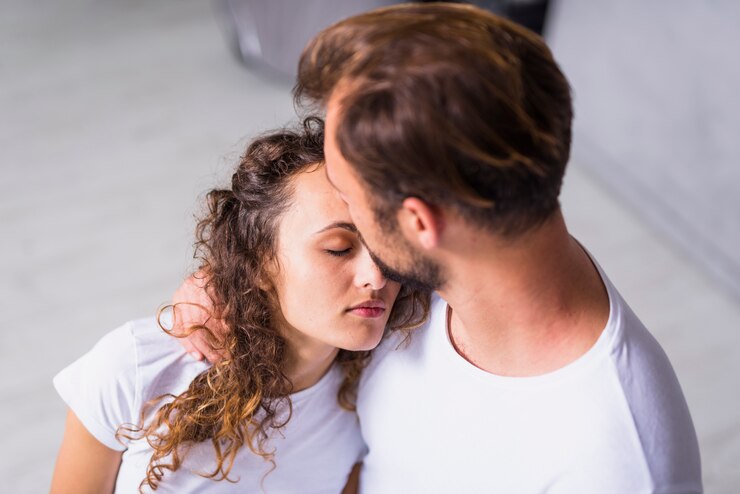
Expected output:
(101, 386)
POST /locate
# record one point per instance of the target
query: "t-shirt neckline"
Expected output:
(570, 369)
(315, 388)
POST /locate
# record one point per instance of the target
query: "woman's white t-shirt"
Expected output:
(137, 362)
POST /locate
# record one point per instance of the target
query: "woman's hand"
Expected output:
(192, 308)
(84, 464)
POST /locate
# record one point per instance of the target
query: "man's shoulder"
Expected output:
(636, 353)
(653, 397)
(633, 349)
(401, 349)
(405, 340)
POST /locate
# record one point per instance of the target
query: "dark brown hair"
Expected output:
(236, 402)
(448, 103)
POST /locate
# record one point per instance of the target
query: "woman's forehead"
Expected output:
(315, 203)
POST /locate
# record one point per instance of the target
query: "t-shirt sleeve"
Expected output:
(101, 386)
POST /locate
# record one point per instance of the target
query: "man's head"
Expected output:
(438, 110)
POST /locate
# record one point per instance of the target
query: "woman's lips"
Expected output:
(369, 308)
(371, 312)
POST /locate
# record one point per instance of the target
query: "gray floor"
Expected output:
(116, 116)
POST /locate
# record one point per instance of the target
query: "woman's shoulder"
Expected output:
(109, 385)
(100, 386)
(162, 364)
(139, 349)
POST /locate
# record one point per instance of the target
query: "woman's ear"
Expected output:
(421, 222)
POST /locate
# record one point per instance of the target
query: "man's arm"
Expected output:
(84, 464)
(192, 308)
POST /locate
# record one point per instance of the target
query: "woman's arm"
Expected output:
(84, 464)
(353, 481)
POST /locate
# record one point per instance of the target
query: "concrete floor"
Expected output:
(116, 116)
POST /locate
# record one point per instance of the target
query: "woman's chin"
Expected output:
(368, 342)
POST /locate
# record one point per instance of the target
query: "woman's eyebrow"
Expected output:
(339, 224)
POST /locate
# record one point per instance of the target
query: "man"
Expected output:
(447, 134)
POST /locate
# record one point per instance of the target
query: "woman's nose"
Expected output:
(368, 273)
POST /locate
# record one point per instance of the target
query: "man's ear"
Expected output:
(420, 222)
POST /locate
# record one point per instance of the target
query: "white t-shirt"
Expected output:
(613, 421)
(137, 362)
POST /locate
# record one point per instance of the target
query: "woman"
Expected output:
(303, 303)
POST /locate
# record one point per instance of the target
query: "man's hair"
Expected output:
(448, 103)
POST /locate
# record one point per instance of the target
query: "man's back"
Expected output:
(615, 420)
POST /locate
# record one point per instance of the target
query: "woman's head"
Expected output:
(287, 236)
(287, 272)
(329, 291)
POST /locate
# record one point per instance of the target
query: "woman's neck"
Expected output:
(308, 359)
(306, 366)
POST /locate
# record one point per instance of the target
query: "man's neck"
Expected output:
(525, 307)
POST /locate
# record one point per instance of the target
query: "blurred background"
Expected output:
(116, 116)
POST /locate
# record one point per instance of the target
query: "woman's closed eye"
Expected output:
(339, 253)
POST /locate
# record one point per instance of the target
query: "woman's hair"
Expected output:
(236, 402)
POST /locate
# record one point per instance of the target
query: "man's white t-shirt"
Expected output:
(613, 421)
(109, 385)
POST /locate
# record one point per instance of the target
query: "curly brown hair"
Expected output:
(235, 402)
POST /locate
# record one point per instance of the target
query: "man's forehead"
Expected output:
(328, 175)
(330, 123)
(331, 153)
(337, 99)
(341, 89)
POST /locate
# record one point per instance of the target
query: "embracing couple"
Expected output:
(421, 218)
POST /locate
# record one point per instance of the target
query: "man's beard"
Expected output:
(423, 274)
